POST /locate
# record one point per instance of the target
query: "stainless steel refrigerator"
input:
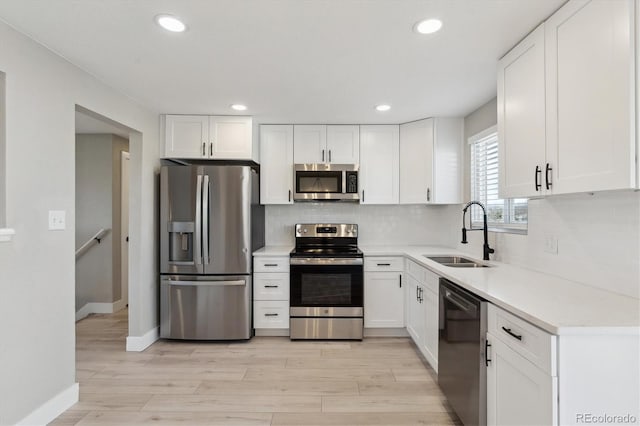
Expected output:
(210, 223)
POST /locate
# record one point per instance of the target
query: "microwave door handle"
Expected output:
(205, 220)
(344, 181)
(198, 236)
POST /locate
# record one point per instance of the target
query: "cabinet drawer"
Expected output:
(534, 344)
(417, 271)
(273, 286)
(271, 314)
(270, 264)
(382, 264)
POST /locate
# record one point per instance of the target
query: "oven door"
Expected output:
(326, 282)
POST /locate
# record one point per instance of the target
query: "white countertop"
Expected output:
(273, 251)
(559, 306)
(554, 304)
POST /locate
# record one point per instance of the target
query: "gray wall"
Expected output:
(98, 277)
(37, 268)
(3, 162)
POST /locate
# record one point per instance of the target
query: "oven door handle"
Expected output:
(324, 261)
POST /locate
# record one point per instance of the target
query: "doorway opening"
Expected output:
(102, 216)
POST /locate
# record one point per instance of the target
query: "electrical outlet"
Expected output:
(57, 220)
(551, 244)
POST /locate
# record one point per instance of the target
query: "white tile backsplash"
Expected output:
(377, 225)
(598, 239)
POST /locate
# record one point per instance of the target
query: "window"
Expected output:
(485, 169)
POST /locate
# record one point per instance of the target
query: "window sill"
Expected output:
(6, 234)
(503, 229)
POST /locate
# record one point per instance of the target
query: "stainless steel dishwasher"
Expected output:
(462, 373)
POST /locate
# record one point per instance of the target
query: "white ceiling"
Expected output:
(290, 61)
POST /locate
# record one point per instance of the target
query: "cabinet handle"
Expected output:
(270, 264)
(329, 155)
(536, 176)
(270, 315)
(487, 345)
(428, 194)
(420, 294)
(547, 176)
(323, 155)
(270, 286)
(417, 292)
(400, 280)
(384, 264)
(204, 149)
(289, 195)
(511, 333)
(211, 149)
(363, 195)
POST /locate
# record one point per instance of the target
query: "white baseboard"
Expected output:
(100, 308)
(51, 409)
(140, 343)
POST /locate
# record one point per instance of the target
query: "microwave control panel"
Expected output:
(352, 182)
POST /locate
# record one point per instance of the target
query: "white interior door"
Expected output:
(124, 227)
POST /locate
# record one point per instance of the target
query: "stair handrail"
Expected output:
(91, 242)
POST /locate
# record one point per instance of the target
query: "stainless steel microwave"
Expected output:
(325, 182)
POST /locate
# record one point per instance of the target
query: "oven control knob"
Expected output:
(304, 230)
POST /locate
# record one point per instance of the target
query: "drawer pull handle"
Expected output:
(487, 360)
(271, 264)
(270, 315)
(384, 264)
(270, 286)
(511, 333)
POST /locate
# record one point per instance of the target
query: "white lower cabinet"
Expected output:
(271, 293)
(383, 292)
(522, 382)
(422, 310)
(518, 392)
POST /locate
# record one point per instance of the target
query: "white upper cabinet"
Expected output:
(337, 144)
(343, 144)
(590, 96)
(310, 142)
(230, 138)
(521, 117)
(379, 164)
(209, 137)
(431, 166)
(276, 170)
(186, 136)
(566, 103)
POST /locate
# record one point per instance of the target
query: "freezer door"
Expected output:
(205, 308)
(181, 220)
(227, 219)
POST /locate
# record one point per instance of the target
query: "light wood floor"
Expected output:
(266, 381)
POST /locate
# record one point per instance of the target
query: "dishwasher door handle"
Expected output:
(460, 303)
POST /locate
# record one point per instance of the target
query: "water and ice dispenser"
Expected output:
(181, 238)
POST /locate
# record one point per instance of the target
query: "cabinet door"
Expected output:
(343, 144)
(230, 138)
(590, 96)
(186, 136)
(416, 162)
(276, 168)
(430, 340)
(379, 164)
(309, 144)
(411, 306)
(521, 117)
(448, 135)
(518, 393)
(383, 300)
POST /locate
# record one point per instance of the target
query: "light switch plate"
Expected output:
(551, 244)
(57, 220)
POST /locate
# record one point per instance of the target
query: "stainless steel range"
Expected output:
(326, 284)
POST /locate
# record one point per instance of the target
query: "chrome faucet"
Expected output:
(485, 248)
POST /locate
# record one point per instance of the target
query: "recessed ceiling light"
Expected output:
(171, 23)
(428, 26)
(383, 107)
(239, 107)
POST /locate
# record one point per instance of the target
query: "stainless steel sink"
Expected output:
(456, 261)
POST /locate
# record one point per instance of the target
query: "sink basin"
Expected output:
(456, 261)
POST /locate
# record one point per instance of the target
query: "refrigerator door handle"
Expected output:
(198, 237)
(205, 220)
(208, 283)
